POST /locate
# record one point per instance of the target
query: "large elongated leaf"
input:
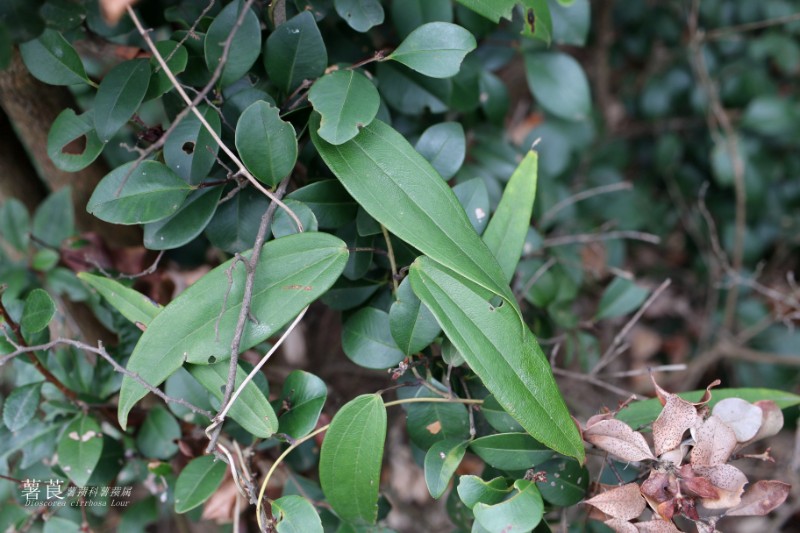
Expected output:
(119, 96)
(403, 192)
(132, 304)
(351, 456)
(514, 369)
(198, 325)
(244, 47)
(347, 101)
(505, 234)
(51, 59)
(435, 49)
(251, 410)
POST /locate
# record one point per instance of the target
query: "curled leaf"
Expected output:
(618, 439)
(623, 502)
(761, 498)
(742, 417)
(729, 479)
(659, 487)
(677, 416)
(771, 420)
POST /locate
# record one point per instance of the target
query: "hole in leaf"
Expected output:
(188, 147)
(212, 360)
(496, 303)
(75, 146)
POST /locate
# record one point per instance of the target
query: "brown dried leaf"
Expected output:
(659, 487)
(742, 417)
(657, 526)
(771, 423)
(621, 526)
(700, 487)
(675, 456)
(113, 10)
(677, 416)
(728, 479)
(761, 498)
(618, 439)
(623, 502)
(714, 443)
(221, 506)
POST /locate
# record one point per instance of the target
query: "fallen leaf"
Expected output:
(742, 417)
(618, 439)
(677, 416)
(761, 498)
(659, 487)
(728, 479)
(625, 502)
(714, 442)
(771, 421)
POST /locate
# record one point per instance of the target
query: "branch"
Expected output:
(584, 238)
(721, 33)
(583, 195)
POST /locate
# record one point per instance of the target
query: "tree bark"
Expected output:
(18, 179)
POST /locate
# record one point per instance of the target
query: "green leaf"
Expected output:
(332, 206)
(15, 224)
(411, 93)
(186, 223)
(444, 146)
(235, 223)
(620, 298)
(642, 413)
(559, 84)
(361, 15)
(45, 260)
(190, 151)
(38, 311)
(266, 144)
(511, 451)
(347, 101)
(474, 198)
(51, 59)
(198, 325)
(473, 490)
(441, 462)
(405, 194)
(518, 514)
(55, 524)
(351, 457)
(251, 410)
(571, 22)
(177, 57)
(295, 52)
(513, 369)
(72, 143)
(431, 422)
(493, 97)
(302, 398)
(435, 49)
(295, 514)
(54, 220)
(158, 435)
(21, 405)
(197, 482)
(493, 10)
(283, 224)
(150, 192)
(119, 96)
(538, 22)
(244, 47)
(566, 481)
(80, 448)
(132, 304)
(412, 325)
(508, 227)
(367, 340)
(410, 14)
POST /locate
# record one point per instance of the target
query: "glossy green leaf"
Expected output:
(493, 10)
(181, 384)
(158, 435)
(435, 49)
(251, 410)
(150, 192)
(642, 413)
(367, 340)
(244, 47)
(412, 325)
(351, 457)
(198, 325)
(441, 462)
(295, 52)
(190, 151)
(21, 405)
(494, 97)
(511, 451)
(505, 234)
(38, 311)
(473, 490)
(302, 399)
(15, 224)
(566, 481)
(513, 369)
(474, 198)
(80, 448)
(518, 514)
(72, 143)
(361, 15)
(405, 194)
(430, 422)
(411, 14)
(571, 22)
(197, 482)
(411, 93)
(538, 22)
(235, 223)
(186, 223)
(295, 514)
(51, 59)
(347, 101)
(54, 220)
(132, 304)
(283, 224)
(559, 84)
(119, 96)
(266, 144)
(45, 260)
(444, 146)
(177, 57)
(332, 206)
(620, 298)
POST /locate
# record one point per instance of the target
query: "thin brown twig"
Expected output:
(588, 378)
(585, 238)
(584, 195)
(611, 352)
(721, 33)
(390, 253)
